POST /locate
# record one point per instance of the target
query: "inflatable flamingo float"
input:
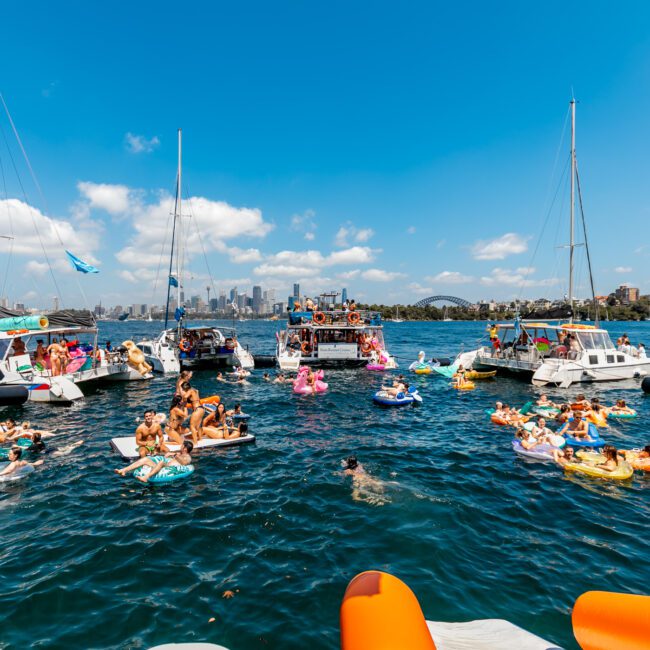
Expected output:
(301, 386)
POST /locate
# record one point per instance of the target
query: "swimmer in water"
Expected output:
(15, 463)
(364, 487)
(564, 456)
(266, 376)
(279, 379)
(179, 459)
(220, 377)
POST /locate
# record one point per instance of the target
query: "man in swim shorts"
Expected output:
(146, 432)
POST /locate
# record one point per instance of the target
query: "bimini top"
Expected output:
(557, 326)
(67, 320)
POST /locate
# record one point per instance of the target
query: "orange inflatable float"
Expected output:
(380, 612)
(213, 399)
(604, 620)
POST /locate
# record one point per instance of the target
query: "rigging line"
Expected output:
(11, 229)
(171, 260)
(584, 229)
(31, 212)
(162, 252)
(545, 222)
(205, 256)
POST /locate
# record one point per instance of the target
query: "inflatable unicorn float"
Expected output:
(302, 385)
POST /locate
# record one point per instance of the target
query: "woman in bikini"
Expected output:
(177, 415)
(215, 424)
(192, 400)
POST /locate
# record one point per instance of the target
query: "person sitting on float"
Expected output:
(611, 459)
(15, 463)
(526, 438)
(576, 428)
(564, 414)
(459, 376)
(545, 401)
(398, 387)
(621, 407)
(179, 459)
(541, 431)
(498, 410)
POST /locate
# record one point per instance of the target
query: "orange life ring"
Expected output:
(318, 317)
(184, 345)
(353, 318)
(305, 347)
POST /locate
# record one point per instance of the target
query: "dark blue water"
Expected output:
(91, 560)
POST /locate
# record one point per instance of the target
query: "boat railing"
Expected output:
(334, 318)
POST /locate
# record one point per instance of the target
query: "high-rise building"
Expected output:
(4, 302)
(291, 302)
(214, 303)
(55, 303)
(344, 295)
(19, 306)
(242, 300)
(627, 294)
(233, 295)
(194, 302)
(296, 291)
(257, 299)
(221, 305)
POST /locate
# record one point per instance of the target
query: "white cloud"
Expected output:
(449, 277)
(31, 230)
(304, 223)
(411, 230)
(417, 288)
(349, 232)
(212, 225)
(239, 256)
(348, 275)
(114, 199)
(500, 247)
(310, 263)
(140, 144)
(516, 277)
(623, 269)
(379, 275)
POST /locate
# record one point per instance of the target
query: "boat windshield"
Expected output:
(595, 340)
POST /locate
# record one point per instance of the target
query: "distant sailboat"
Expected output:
(397, 319)
(445, 316)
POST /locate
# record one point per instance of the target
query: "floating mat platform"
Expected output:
(126, 447)
(488, 634)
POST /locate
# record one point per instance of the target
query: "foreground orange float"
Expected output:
(380, 612)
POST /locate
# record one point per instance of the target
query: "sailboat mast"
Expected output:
(573, 183)
(171, 253)
(179, 199)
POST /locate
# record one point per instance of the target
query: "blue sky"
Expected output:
(401, 151)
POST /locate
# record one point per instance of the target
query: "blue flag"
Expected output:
(517, 327)
(80, 265)
(173, 282)
(179, 313)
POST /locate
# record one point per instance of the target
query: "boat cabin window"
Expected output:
(610, 358)
(593, 359)
(620, 358)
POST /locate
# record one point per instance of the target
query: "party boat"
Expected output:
(333, 338)
(564, 352)
(77, 330)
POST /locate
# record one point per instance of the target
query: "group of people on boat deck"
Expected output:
(188, 416)
(623, 345)
(310, 305)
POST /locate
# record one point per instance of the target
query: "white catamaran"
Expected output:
(561, 353)
(184, 346)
